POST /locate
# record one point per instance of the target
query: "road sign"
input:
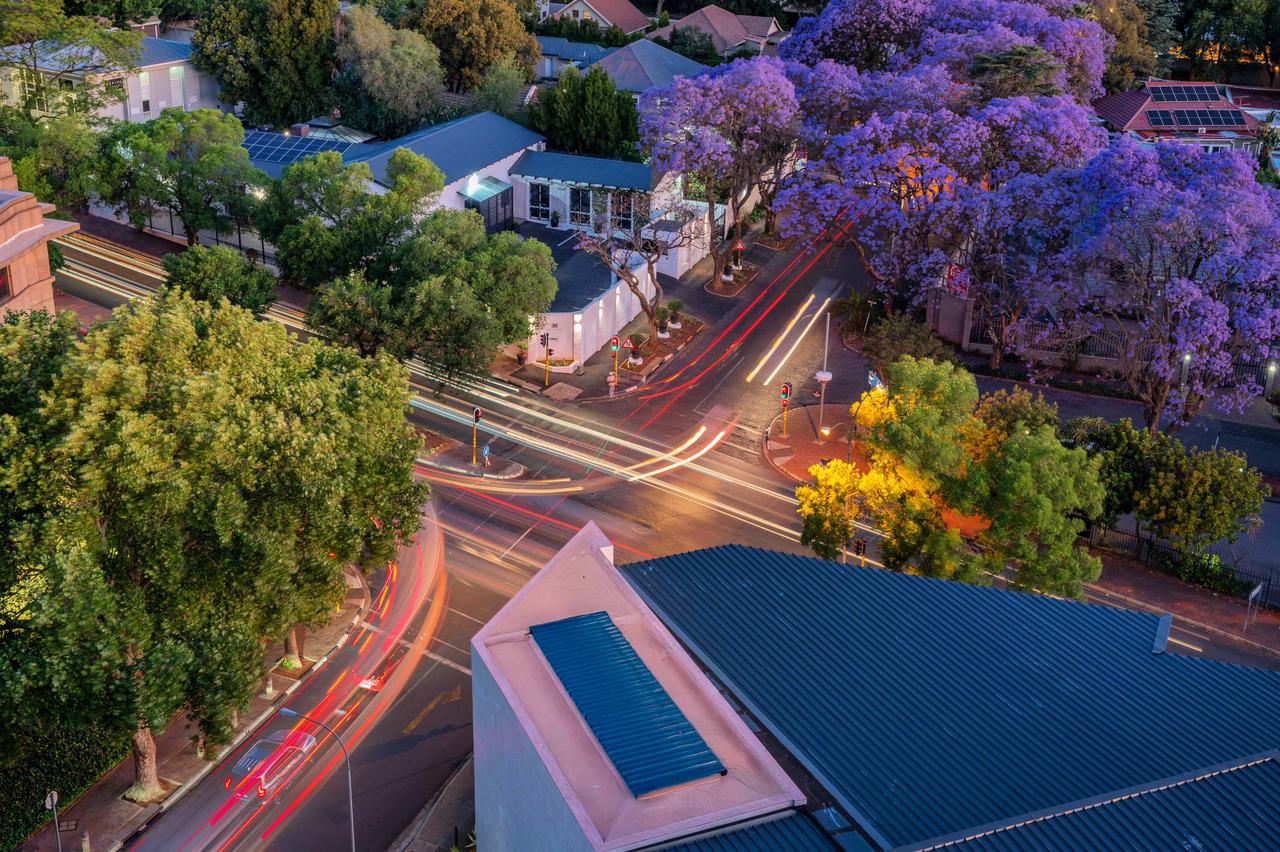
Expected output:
(51, 800)
(739, 246)
(475, 414)
(627, 344)
(613, 344)
(873, 380)
(484, 451)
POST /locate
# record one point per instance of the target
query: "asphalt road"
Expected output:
(672, 467)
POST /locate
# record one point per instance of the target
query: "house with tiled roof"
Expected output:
(729, 33)
(607, 13)
(1194, 113)
(165, 78)
(644, 65)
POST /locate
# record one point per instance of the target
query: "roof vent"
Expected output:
(301, 129)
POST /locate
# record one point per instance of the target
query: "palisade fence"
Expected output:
(1106, 344)
(243, 239)
(1167, 559)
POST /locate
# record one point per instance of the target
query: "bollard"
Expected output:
(84, 842)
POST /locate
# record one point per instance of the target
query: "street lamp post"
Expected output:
(351, 796)
(823, 376)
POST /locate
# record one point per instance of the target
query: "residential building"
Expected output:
(1263, 105)
(558, 192)
(908, 712)
(607, 13)
(26, 282)
(165, 78)
(1192, 113)
(644, 65)
(730, 33)
(501, 170)
(560, 53)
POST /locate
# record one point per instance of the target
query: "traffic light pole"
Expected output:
(546, 380)
(473, 444)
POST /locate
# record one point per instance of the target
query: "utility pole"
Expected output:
(351, 796)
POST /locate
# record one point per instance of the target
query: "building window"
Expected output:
(35, 90)
(178, 83)
(623, 209)
(576, 14)
(6, 291)
(144, 87)
(540, 201)
(586, 14)
(579, 206)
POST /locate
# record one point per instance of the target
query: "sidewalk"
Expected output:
(1123, 583)
(450, 815)
(104, 813)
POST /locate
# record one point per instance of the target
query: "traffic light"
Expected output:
(786, 391)
(859, 547)
(613, 345)
(475, 414)
(544, 339)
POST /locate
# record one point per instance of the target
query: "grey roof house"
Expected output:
(643, 65)
(166, 78)
(560, 53)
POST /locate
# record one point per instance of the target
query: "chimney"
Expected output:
(300, 129)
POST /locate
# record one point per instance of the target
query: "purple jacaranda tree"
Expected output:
(1175, 262)
(865, 34)
(726, 133)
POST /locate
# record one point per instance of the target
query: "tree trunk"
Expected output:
(146, 774)
(292, 651)
(657, 14)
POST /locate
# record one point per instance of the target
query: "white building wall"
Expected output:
(518, 806)
(578, 335)
(197, 91)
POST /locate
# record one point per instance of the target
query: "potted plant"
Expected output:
(675, 306)
(634, 358)
(522, 355)
(661, 317)
(555, 218)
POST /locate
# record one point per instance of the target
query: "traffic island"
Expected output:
(803, 444)
(741, 279)
(458, 460)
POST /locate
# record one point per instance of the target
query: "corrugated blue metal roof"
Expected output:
(792, 833)
(927, 707)
(162, 51)
(57, 57)
(458, 148)
(1241, 801)
(574, 168)
(643, 732)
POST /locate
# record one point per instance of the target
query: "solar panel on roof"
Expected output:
(642, 731)
(278, 148)
(1203, 92)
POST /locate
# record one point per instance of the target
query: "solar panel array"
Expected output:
(1165, 94)
(1195, 118)
(277, 148)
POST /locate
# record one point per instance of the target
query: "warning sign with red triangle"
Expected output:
(627, 344)
(739, 246)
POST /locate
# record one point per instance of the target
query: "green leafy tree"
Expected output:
(586, 31)
(1191, 498)
(64, 164)
(474, 34)
(829, 507)
(391, 79)
(1132, 59)
(325, 221)
(453, 295)
(213, 274)
(191, 164)
(89, 57)
(1005, 412)
(118, 12)
(182, 526)
(897, 335)
(500, 87)
(586, 114)
(1023, 70)
(693, 43)
(274, 56)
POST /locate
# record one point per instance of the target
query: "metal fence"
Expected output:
(1165, 558)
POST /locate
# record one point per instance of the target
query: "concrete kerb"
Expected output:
(639, 384)
(411, 832)
(252, 728)
(517, 470)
